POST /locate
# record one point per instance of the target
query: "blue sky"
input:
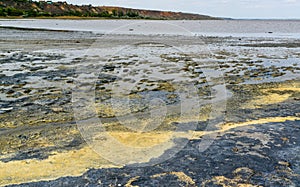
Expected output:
(221, 8)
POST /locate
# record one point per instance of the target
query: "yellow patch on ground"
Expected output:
(9, 145)
(129, 183)
(126, 147)
(112, 110)
(271, 97)
(142, 139)
(7, 125)
(241, 179)
(105, 110)
(166, 86)
(229, 126)
(181, 176)
(71, 163)
(226, 182)
(294, 86)
(268, 99)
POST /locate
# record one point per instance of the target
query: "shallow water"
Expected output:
(235, 28)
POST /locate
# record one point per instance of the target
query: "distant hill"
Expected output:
(29, 8)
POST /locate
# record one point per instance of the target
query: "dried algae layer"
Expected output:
(76, 162)
(180, 175)
(226, 182)
(274, 95)
(71, 163)
(140, 140)
(241, 179)
(228, 126)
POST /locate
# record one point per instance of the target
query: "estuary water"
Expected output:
(222, 28)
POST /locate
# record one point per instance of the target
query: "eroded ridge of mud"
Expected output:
(256, 144)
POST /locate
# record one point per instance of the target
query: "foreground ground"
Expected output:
(248, 88)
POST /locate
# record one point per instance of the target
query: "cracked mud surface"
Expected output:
(257, 143)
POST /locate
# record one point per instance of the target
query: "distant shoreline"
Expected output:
(38, 29)
(73, 18)
(106, 18)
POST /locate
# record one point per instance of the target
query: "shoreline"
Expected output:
(80, 18)
(107, 18)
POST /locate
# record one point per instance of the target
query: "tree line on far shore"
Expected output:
(13, 9)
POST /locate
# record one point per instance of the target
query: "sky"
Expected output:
(279, 9)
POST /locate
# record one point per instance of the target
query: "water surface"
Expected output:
(238, 28)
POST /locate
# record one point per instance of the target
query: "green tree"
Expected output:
(114, 12)
(14, 12)
(120, 13)
(104, 14)
(132, 14)
(3, 12)
(32, 13)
